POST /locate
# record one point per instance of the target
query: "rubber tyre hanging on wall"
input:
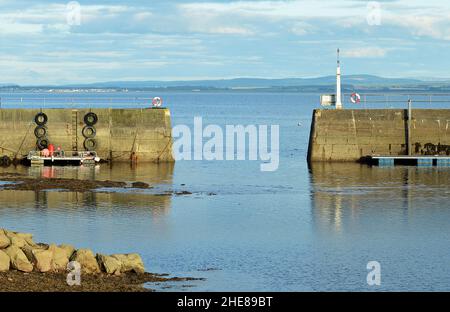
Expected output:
(89, 132)
(6, 161)
(42, 143)
(90, 144)
(40, 119)
(90, 119)
(16, 161)
(40, 132)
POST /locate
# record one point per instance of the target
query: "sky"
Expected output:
(61, 42)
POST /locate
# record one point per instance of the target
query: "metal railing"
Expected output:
(398, 100)
(56, 101)
(406, 101)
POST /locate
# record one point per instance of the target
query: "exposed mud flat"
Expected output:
(73, 185)
(141, 185)
(19, 182)
(14, 281)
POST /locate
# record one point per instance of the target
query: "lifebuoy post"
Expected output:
(157, 102)
(338, 83)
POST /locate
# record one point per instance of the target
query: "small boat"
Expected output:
(78, 158)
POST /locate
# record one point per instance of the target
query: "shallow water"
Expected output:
(294, 229)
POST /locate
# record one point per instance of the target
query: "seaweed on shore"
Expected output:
(13, 281)
(25, 183)
(74, 185)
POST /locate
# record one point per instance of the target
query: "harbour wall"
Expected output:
(352, 135)
(140, 135)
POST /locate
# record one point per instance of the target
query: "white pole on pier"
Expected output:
(409, 126)
(338, 83)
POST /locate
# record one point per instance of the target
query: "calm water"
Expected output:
(294, 229)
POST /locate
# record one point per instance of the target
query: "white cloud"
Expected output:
(215, 38)
(11, 28)
(301, 28)
(277, 9)
(83, 54)
(92, 13)
(35, 18)
(143, 17)
(365, 52)
(429, 19)
(229, 30)
(437, 27)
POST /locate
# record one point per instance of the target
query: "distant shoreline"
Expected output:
(194, 89)
(325, 84)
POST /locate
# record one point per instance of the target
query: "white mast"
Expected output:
(338, 83)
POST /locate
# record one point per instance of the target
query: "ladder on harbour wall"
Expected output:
(74, 130)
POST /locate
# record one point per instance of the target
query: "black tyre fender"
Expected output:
(89, 132)
(6, 161)
(40, 132)
(90, 144)
(90, 119)
(40, 119)
(16, 161)
(42, 143)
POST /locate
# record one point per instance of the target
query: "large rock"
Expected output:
(27, 237)
(69, 250)
(39, 256)
(60, 258)
(130, 263)
(42, 260)
(109, 264)
(4, 261)
(19, 261)
(20, 239)
(5, 241)
(28, 251)
(47, 257)
(87, 260)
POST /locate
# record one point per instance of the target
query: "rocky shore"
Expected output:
(29, 266)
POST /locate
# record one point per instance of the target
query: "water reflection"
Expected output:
(150, 173)
(342, 194)
(157, 175)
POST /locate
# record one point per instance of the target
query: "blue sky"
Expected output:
(195, 39)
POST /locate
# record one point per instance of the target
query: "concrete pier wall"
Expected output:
(121, 134)
(350, 135)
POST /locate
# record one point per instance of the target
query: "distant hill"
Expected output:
(319, 84)
(366, 80)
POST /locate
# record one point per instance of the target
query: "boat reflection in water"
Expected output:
(346, 196)
(135, 201)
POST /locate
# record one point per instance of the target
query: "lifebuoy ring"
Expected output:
(89, 132)
(40, 119)
(157, 102)
(355, 98)
(90, 119)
